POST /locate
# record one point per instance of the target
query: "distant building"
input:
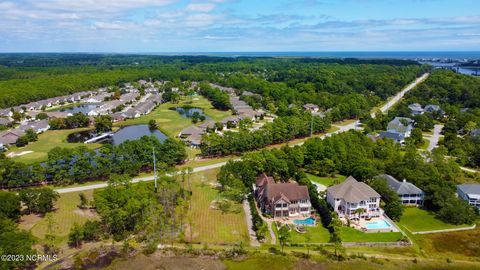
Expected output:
(192, 135)
(398, 129)
(10, 136)
(470, 193)
(409, 193)
(416, 109)
(475, 132)
(434, 108)
(5, 121)
(37, 126)
(311, 107)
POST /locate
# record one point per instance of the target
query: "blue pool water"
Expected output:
(379, 224)
(309, 221)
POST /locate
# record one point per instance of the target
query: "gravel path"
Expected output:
(248, 218)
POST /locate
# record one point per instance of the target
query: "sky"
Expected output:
(149, 26)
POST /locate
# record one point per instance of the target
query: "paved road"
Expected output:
(343, 128)
(400, 94)
(435, 137)
(469, 170)
(134, 180)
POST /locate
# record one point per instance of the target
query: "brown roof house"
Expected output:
(347, 197)
(282, 199)
(192, 135)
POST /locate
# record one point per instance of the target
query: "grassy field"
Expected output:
(326, 181)
(262, 261)
(459, 244)
(171, 122)
(352, 235)
(65, 215)
(278, 262)
(318, 234)
(209, 224)
(418, 220)
(47, 141)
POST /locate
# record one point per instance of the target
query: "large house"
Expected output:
(281, 199)
(398, 129)
(311, 107)
(416, 109)
(433, 108)
(409, 193)
(346, 198)
(470, 193)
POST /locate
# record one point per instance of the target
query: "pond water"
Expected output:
(81, 108)
(132, 132)
(187, 112)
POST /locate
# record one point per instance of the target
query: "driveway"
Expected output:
(435, 137)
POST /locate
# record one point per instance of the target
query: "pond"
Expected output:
(187, 112)
(80, 108)
(132, 132)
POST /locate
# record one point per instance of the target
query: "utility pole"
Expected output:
(154, 169)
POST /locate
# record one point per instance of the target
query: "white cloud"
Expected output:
(200, 7)
(200, 20)
(98, 5)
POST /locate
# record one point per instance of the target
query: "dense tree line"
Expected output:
(282, 81)
(459, 96)
(282, 129)
(220, 100)
(66, 166)
(352, 153)
(76, 120)
(14, 241)
(127, 208)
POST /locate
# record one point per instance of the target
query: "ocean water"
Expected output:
(362, 54)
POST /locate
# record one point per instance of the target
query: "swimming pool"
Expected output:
(308, 221)
(378, 224)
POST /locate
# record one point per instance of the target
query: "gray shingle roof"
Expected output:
(400, 187)
(397, 125)
(470, 188)
(392, 135)
(353, 191)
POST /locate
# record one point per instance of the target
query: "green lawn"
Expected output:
(318, 234)
(326, 181)
(352, 235)
(211, 225)
(424, 144)
(66, 213)
(418, 220)
(47, 141)
(170, 121)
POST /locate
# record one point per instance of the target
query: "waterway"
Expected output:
(132, 132)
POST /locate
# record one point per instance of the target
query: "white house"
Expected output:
(346, 198)
(470, 193)
(409, 193)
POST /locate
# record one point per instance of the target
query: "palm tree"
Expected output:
(359, 212)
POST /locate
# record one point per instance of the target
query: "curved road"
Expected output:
(355, 125)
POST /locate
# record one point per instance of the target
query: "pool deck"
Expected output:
(361, 225)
